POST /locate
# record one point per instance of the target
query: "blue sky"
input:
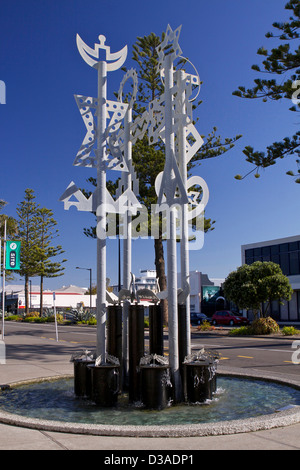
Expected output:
(41, 129)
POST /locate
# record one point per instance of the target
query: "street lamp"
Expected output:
(88, 269)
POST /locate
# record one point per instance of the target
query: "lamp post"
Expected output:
(88, 269)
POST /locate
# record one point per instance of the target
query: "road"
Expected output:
(271, 354)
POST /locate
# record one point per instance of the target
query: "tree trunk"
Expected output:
(41, 295)
(161, 274)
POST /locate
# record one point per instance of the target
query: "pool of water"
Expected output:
(236, 398)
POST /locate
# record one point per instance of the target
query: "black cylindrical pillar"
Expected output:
(105, 384)
(114, 331)
(136, 349)
(82, 378)
(182, 336)
(155, 386)
(156, 331)
(198, 382)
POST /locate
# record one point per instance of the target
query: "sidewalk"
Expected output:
(29, 357)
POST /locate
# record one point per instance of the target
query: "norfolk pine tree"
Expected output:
(282, 63)
(46, 232)
(27, 212)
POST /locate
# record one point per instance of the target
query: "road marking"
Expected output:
(247, 357)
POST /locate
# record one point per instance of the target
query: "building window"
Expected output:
(284, 263)
(294, 262)
(287, 255)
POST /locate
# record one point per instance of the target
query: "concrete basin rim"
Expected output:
(264, 422)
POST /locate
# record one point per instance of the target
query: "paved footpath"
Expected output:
(29, 357)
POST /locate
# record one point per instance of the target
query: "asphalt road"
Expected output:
(272, 354)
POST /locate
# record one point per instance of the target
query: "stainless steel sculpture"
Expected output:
(107, 145)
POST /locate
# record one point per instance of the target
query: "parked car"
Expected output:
(225, 317)
(198, 318)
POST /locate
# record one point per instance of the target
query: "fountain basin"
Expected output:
(269, 420)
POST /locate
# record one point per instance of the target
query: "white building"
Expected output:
(66, 296)
(146, 280)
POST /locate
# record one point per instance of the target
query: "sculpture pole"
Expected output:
(101, 209)
(96, 134)
(127, 246)
(184, 248)
(171, 242)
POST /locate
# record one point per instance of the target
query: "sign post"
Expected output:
(55, 319)
(3, 279)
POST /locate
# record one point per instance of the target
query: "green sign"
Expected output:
(12, 258)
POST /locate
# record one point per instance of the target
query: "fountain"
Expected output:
(120, 382)
(107, 146)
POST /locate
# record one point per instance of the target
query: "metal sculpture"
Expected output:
(107, 145)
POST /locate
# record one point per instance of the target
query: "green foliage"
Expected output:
(205, 326)
(264, 326)
(252, 285)
(282, 62)
(14, 318)
(241, 331)
(290, 331)
(36, 230)
(90, 321)
(44, 250)
(27, 212)
(260, 326)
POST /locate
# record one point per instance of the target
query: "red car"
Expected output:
(225, 317)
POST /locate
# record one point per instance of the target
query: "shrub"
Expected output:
(242, 331)
(260, 326)
(205, 326)
(34, 314)
(264, 326)
(290, 330)
(13, 318)
(90, 321)
(30, 319)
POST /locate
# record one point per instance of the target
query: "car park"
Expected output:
(198, 318)
(225, 317)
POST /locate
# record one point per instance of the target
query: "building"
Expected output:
(286, 253)
(65, 297)
(147, 280)
(200, 286)
(204, 292)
